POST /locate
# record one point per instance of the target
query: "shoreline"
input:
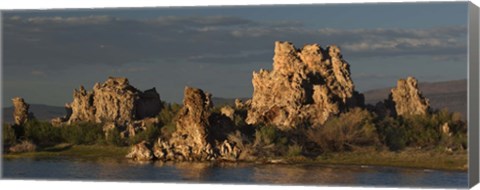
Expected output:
(413, 159)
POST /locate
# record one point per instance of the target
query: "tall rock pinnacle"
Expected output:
(21, 113)
(407, 98)
(306, 85)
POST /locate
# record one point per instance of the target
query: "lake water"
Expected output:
(232, 173)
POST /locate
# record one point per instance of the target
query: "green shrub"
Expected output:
(238, 120)
(114, 138)
(8, 135)
(423, 131)
(350, 129)
(459, 141)
(42, 132)
(150, 134)
(294, 150)
(392, 133)
(83, 133)
(266, 135)
(167, 119)
(168, 113)
(457, 137)
(455, 122)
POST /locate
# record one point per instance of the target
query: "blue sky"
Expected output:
(49, 53)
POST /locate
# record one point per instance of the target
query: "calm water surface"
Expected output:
(236, 173)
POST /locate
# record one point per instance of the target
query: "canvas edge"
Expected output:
(1, 91)
(473, 94)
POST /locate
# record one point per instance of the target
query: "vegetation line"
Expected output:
(357, 137)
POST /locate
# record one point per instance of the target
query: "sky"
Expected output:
(48, 53)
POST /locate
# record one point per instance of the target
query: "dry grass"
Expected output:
(75, 151)
(354, 128)
(24, 146)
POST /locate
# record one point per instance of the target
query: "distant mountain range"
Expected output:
(217, 101)
(46, 112)
(40, 111)
(448, 94)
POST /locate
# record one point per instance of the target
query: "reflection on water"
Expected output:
(192, 171)
(288, 174)
(244, 173)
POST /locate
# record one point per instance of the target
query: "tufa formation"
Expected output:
(114, 102)
(405, 99)
(20, 113)
(306, 86)
(408, 99)
(194, 139)
(191, 136)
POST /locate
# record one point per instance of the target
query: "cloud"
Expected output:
(199, 21)
(374, 42)
(434, 41)
(62, 42)
(38, 73)
(130, 70)
(67, 20)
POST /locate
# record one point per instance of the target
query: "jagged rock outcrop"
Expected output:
(141, 152)
(239, 105)
(228, 151)
(406, 99)
(68, 109)
(445, 128)
(195, 138)
(82, 108)
(163, 150)
(191, 136)
(306, 85)
(21, 113)
(140, 125)
(114, 101)
(227, 111)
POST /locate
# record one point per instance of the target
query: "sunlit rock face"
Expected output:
(194, 138)
(407, 98)
(115, 101)
(191, 136)
(21, 113)
(141, 152)
(82, 108)
(306, 85)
